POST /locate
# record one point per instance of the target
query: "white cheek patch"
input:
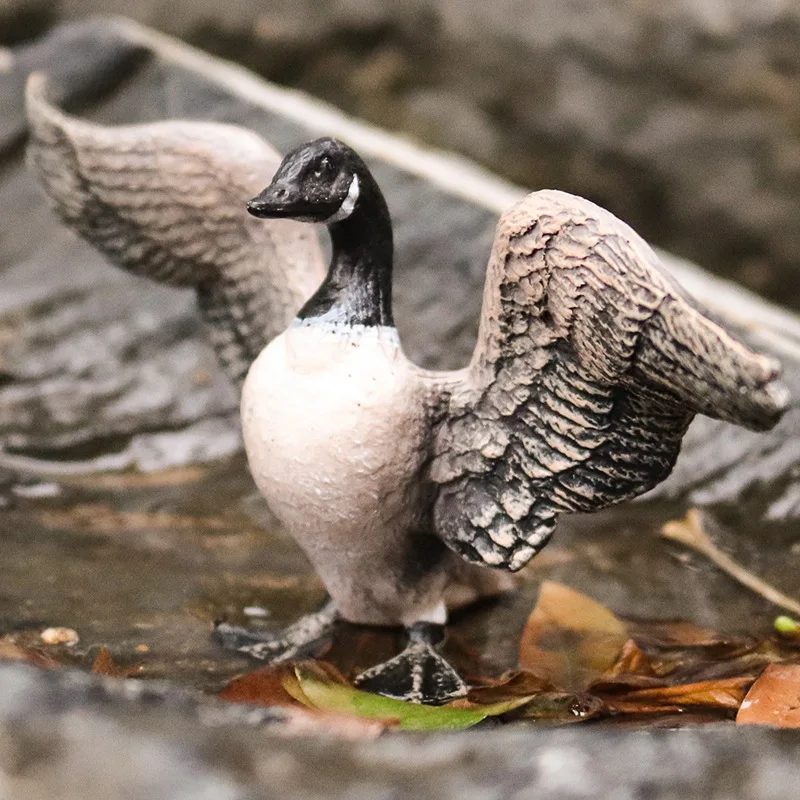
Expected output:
(348, 204)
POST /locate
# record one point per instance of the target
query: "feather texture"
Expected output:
(167, 201)
(590, 364)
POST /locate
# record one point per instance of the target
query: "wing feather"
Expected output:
(166, 201)
(589, 367)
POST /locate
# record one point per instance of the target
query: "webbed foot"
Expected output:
(302, 639)
(419, 674)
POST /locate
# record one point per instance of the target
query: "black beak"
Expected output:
(282, 200)
(277, 201)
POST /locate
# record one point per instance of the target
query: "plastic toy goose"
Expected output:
(166, 201)
(412, 490)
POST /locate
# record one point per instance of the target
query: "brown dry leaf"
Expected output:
(278, 686)
(104, 664)
(570, 640)
(632, 670)
(510, 686)
(725, 694)
(540, 700)
(774, 698)
(268, 687)
(690, 654)
(10, 651)
(679, 633)
(631, 661)
(263, 687)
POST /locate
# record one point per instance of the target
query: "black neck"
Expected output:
(358, 287)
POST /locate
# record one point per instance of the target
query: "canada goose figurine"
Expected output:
(413, 491)
(166, 201)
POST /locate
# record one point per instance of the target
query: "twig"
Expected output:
(690, 532)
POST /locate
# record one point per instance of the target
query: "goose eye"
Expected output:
(323, 167)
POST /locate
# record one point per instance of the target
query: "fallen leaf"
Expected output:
(570, 639)
(268, 687)
(563, 707)
(263, 687)
(774, 698)
(510, 686)
(631, 671)
(104, 664)
(631, 661)
(10, 651)
(725, 694)
(678, 633)
(538, 699)
(318, 690)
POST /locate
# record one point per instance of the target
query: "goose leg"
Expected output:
(304, 638)
(419, 674)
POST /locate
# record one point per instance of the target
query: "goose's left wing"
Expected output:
(589, 367)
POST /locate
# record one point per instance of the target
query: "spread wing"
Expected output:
(589, 367)
(167, 201)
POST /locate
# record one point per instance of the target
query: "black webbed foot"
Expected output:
(419, 674)
(302, 639)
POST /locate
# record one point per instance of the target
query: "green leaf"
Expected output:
(321, 691)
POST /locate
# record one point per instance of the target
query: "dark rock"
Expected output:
(87, 58)
(680, 117)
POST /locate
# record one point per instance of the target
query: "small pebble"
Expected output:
(142, 648)
(65, 636)
(255, 611)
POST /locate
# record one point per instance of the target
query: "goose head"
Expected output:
(325, 181)
(320, 181)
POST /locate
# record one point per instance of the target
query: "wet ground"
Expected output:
(129, 514)
(144, 563)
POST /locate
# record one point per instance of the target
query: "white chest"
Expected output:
(334, 431)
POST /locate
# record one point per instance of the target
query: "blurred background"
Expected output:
(681, 116)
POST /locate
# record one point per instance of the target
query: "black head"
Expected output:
(316, 182)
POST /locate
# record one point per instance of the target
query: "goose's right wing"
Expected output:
(166, 200)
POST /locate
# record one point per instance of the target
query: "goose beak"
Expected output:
(283, 201)
(275, 202)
